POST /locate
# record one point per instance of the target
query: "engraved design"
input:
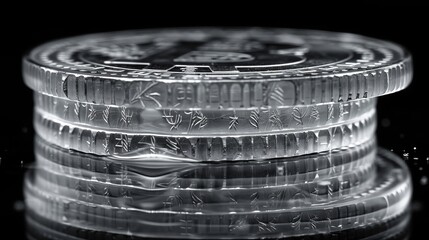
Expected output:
(313, 222)
(298, 115)
(125, 118)
(360, 130)
(197, 119)
(196, 201)
(152, 146)
(233, 123)
(122, 142)
(92, 112)
(232, 198)
(254, 118)
(238, 225)
(173, 120)
(146, 95)
(296, 222)
(172, 144)
(66, 109)
(274, 119)
(106, 146)
(330, 112)
(266, 226)
(77, 108)
(254, 197)
(314, 113)
(205, 121)
(106, 113)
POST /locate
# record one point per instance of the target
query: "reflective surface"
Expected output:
(197, 208)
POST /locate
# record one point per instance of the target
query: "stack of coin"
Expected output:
(215, 133)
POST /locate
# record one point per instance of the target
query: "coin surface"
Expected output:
(217, 68)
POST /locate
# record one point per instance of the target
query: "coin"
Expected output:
(39, 227)
(385, 198)
(231, 198)
(217, 68)
(202, 121)
(161, 173)
(130, 145)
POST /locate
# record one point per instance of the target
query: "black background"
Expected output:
(402, 116)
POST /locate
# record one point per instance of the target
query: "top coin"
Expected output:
(217, 68)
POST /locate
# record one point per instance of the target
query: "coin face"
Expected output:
(216, 54)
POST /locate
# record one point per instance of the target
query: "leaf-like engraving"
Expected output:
(145, 95)
(269, 226)
(313, 222)
(197, 201)
(173, 120)
(296, 222)
(277, 95)
(238, 225)
(106, 146)
(76, 109)
(315, 113)
(106, 192)
(122, 142)
(172, 144)
(125, 144)
(233, 122)
(197, 119)
(152, 144)
(232, 198)
(274, 119)
(254, 201)
(254, 118)
(330, 111)
(330, 191)
(298, 115)
(92, 112)
(125, 118)
(106, 113)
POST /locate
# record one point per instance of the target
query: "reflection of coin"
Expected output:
(217, 68)
(384, 200)
(39, 227)
(162, 174)
(226, 198)
(210, 147)
(203, 121)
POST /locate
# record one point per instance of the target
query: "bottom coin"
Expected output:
(39, 228)
(383, 200)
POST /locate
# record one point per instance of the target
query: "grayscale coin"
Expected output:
(217, 68)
